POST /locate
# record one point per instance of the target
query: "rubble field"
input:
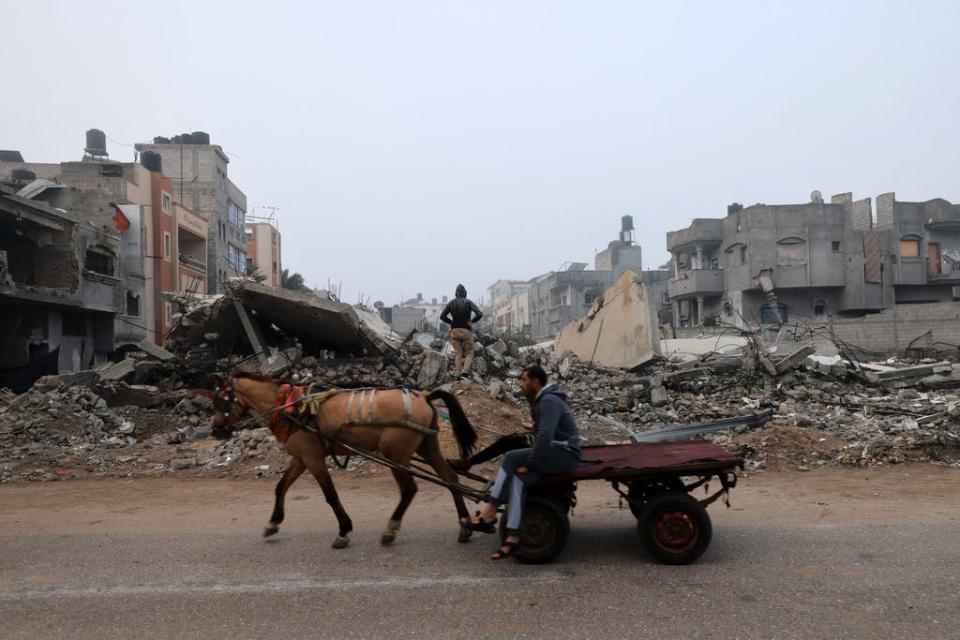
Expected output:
(148, 413)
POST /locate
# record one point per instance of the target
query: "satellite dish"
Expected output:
(816, 197)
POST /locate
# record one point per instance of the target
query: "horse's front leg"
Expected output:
(294, 470)
(317, 464)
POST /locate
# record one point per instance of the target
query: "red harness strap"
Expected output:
(288, 403)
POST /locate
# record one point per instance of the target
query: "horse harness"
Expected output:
(295, 404)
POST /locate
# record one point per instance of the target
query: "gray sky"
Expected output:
(414, 145)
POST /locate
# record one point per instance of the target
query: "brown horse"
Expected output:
(397, 423)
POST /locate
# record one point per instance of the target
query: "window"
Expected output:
(167, 313)
(98, 262)
(819, 307)
(133, 305)
(589, 297)
(743, 254)
(236, 258)
(274, 266)
(165, 202)
(835, 246)
(166, 245)
(910, 247)
(791, 251)
(235, 214)
(74, 324)
(111, 171)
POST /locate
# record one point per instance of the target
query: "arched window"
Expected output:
(910, 247)
(791, 251)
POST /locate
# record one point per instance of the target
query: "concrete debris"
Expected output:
(621, 329)
(142, 414)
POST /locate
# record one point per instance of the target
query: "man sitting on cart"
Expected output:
(555, 451)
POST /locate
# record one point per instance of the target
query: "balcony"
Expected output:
(706, 231)
(700, 282)
(193, 262)
(948, 271)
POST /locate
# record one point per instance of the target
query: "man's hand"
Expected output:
(522, 470)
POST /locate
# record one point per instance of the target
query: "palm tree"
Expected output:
(292, 281)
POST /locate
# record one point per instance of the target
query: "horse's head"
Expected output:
(228, 407)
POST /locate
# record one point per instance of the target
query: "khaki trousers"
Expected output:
(462, 340)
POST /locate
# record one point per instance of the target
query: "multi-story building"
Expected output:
(500, 296)
(198, 171)
(541, 306)
(263, 251)
(164, 243)
(60, 290)
(770, 263)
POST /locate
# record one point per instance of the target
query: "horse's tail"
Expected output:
(462, 430)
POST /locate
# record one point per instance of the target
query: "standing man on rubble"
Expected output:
(461, 314)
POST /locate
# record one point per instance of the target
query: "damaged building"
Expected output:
(164, 248)
(540, 307)
(60, 290)
(814, 262)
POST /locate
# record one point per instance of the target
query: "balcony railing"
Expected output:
(696, 282)
(193, 262)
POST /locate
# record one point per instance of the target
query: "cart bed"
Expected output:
(650, 459)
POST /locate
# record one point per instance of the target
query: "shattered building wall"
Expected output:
(822, 259)
(59, 291)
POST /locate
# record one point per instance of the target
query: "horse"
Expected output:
(397, 423)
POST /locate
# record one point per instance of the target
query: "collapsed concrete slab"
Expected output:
(620, 331)
(251, 311)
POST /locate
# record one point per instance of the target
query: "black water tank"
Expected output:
(186, 138)
(161, 140)
(96, 142)
(23, 174)
(626, 223)
(151, 161)
(200, 137)
(734, 208)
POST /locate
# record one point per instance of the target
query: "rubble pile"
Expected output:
(149, 412)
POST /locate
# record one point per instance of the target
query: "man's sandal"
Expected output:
(482, 525)
(506, 549)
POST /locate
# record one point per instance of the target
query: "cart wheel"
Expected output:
(644, 491)
(675, 528)
(544, 531)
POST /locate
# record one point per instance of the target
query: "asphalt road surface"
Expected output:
(826, 554)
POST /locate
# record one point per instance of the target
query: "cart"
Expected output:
(654, 479)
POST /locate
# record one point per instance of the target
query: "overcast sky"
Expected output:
(413, 145)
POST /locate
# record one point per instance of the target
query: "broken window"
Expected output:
(819, 307)
(743, 254)
(835, 246)
(111, 170)
(910, 247)
(98, 262)
(589, 297)
(133, 305)
(74, 324)
(791, 251)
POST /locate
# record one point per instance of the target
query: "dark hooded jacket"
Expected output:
(555, 425)
(460, 311)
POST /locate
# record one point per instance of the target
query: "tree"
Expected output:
(292, 281)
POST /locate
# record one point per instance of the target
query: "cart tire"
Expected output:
(675, 528)
(644, 492)
(544, 532)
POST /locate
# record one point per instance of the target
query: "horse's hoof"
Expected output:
(341, 542)
(388, 538)
(464, 535)
(270, 530)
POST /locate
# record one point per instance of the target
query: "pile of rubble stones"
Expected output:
(110, 423)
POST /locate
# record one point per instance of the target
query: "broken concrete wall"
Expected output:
(620, 331)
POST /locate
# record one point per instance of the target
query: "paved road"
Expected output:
(165, 559)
